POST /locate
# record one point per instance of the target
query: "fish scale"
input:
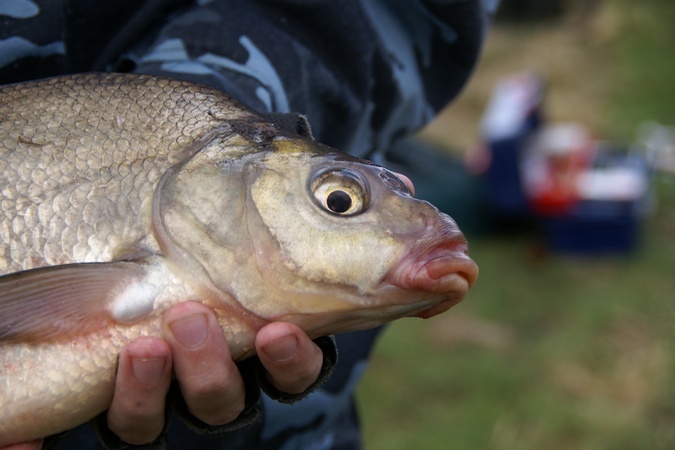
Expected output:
(32, 125)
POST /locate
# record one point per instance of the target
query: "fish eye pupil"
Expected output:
(339, 202)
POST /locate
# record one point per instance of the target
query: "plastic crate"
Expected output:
(594, 227)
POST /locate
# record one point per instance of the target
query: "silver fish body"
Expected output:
(123, 195)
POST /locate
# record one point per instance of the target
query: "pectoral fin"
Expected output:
(63, 301)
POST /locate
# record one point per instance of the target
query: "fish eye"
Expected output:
(340, 191)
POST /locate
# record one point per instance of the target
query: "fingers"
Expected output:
(293, 362)
(136, 414)
(209, 380)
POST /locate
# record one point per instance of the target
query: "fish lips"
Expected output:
(440, 270)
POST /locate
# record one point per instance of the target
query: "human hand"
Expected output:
(195, 350)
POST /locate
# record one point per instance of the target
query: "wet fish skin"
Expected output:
(126, 194)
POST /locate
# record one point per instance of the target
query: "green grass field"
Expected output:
(551, 351)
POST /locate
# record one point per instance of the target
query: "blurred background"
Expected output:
(568, 338)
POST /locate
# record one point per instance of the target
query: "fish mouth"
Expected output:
(435, 274)
(440, 270)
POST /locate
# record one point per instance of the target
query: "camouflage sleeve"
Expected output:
(366, 72)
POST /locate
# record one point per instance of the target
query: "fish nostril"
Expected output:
(407, 181)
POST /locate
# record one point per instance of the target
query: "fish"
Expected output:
(125, 194)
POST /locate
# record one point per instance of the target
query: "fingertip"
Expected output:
(146, 360)
(147, 347)
(293, 362)
(191, 326)
(186, 308)
(278, 330)
(281, 349)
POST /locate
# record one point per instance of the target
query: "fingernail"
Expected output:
(282, 349)
(190, 331)
(148, 370)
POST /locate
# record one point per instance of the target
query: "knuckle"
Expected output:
(141, 427)
(302, 377)
(219, 412)
(294, 384)
(136, 437)
(306, 380)
(215, 401)
(205, 389)
(224, 416)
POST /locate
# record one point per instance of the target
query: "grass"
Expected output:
(649, 66)
(561, 353)
(550, 351)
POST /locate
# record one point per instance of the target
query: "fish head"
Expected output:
(293, 230)
(343, 244)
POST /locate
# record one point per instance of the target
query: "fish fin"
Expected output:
(59, 302)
